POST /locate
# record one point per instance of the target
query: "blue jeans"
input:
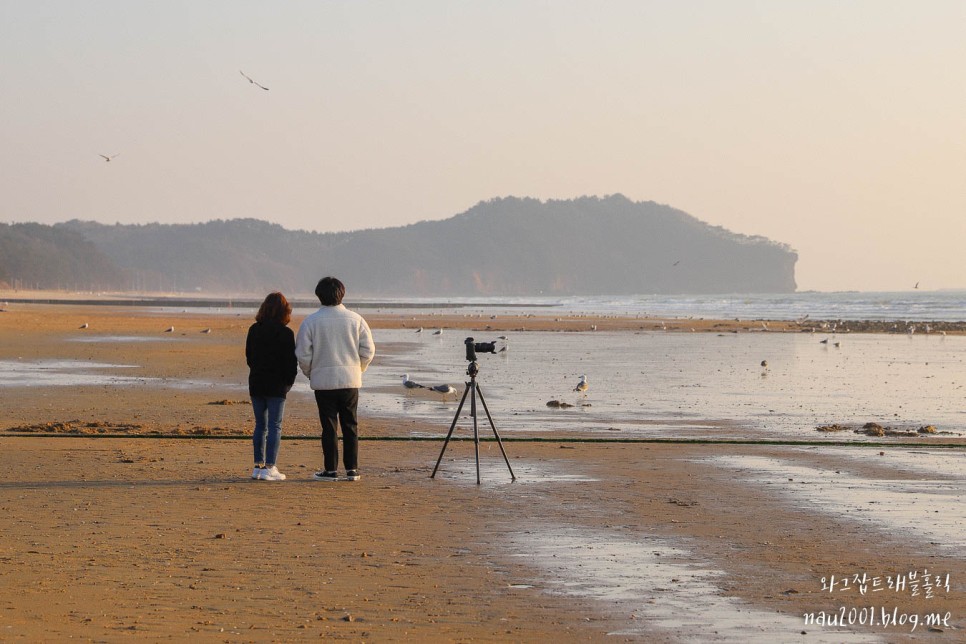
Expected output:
(268, 428)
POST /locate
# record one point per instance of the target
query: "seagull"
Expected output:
(916, 286)
(444, 389)
(676, 263)
(419, 330)
(764, 363)
(438, 332)
(83, 326)
(206, 330)
(409, 384)
(108, 158)
(251, 81)
(170, 329)
(582, 385)
(825, 341)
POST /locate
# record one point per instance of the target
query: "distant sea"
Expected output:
(945, 306)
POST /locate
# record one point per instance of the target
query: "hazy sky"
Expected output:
(836, 127)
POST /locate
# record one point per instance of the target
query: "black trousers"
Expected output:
(337, 407)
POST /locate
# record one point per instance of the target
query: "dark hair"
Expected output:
(275, 308)
(330, 291)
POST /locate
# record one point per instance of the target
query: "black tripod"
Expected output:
(473, 389)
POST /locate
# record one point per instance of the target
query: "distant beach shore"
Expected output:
(159, 537)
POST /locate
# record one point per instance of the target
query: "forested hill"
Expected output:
(39, 256)
(507, 246)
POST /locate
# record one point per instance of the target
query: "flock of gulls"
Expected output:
(170, 329)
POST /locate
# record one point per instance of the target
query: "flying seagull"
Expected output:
(108, 158)
(252, 81)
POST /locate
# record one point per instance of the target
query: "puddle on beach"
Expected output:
(681, 385)
(928, 509)
(117, 339)
(78, 373)
(656, 586)
(459, 465)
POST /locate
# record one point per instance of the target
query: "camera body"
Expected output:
(482, 347)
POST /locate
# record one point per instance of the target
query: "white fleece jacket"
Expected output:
(334, 346)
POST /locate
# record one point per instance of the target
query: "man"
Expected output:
(334, 347)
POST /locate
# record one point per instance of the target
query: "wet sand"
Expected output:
(167, 537)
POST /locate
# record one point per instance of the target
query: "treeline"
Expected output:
(35, 256)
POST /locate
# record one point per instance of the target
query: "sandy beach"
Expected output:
(167, 537)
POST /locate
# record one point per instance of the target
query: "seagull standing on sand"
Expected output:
(170, 329)
(409, 384)
(83, 326)
(444, 389)
(251, 81)
(438, 332)
(582, 385)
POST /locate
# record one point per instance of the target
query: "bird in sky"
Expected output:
(916, 286)
(108, 158)
(582, 385)
(252, 81)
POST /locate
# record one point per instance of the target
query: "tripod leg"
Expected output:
(451, 428)
(495, 433)
(476, 432)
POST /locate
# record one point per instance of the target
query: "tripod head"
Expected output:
(471, 348)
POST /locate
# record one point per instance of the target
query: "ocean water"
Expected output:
(947, 306)
(679, 385)
(925, 306)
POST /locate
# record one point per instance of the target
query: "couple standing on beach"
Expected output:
(334, 347)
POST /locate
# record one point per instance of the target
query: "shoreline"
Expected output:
(413, 316)
(651, 540)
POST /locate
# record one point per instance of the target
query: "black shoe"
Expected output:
(353, 475)
(326, 476)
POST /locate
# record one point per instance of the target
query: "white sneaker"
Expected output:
(256, 471)
(271, 474)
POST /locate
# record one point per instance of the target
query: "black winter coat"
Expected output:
(270, 353)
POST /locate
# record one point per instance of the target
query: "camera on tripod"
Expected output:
(473, 391)
(482, 347)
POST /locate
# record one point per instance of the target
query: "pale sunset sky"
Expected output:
(836, 127)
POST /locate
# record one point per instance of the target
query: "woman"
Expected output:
(270, 353)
